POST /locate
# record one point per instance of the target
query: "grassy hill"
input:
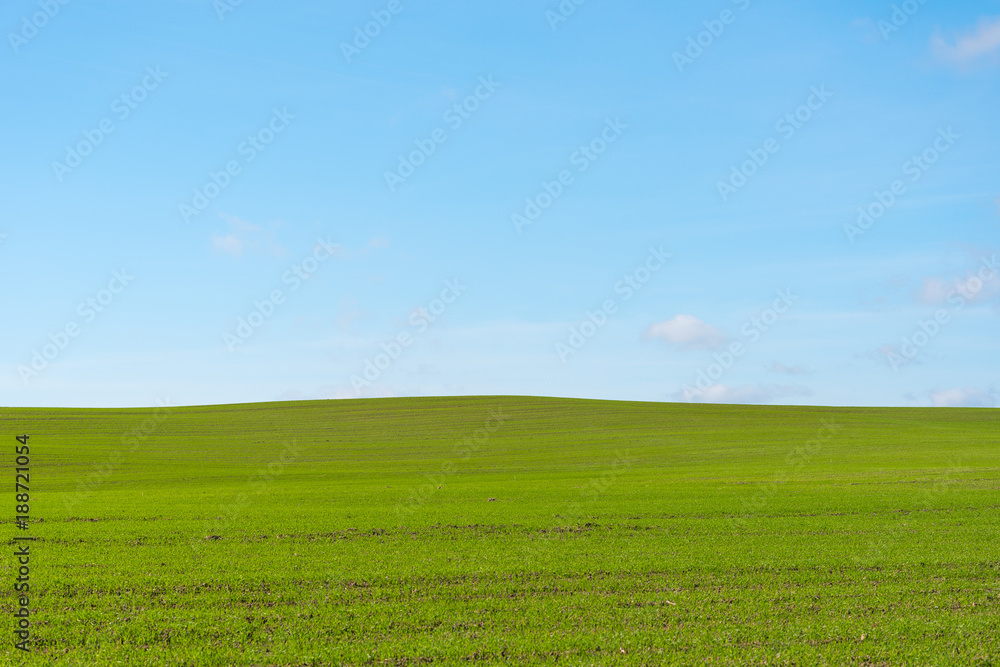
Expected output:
(506, 529)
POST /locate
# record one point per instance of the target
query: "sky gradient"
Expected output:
(727, 201)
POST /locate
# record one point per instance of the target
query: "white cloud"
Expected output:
(240, 225)
(886, 349)
(963, 398)
(229, 243)
(748, 393)
(866, 29)
(969, 47)
(893, 355)
(980, 284)
(977, 290)
(933, 291)
(243, 236)
(349, 312)
(778, 367)
(936, 291)
(375, 243)
(687, 331)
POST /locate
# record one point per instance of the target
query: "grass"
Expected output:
(511, 530)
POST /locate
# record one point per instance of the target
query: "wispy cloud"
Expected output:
(349, 312)
(933, 291)
(242, 236)
(778, 367)
(747, 394)
(866, 30)
(937, 291)
(230, 243)
(687, 331)
(970, 47)
(963, 398)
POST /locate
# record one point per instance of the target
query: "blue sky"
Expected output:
(754, 202)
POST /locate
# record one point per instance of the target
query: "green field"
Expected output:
(509, 530)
